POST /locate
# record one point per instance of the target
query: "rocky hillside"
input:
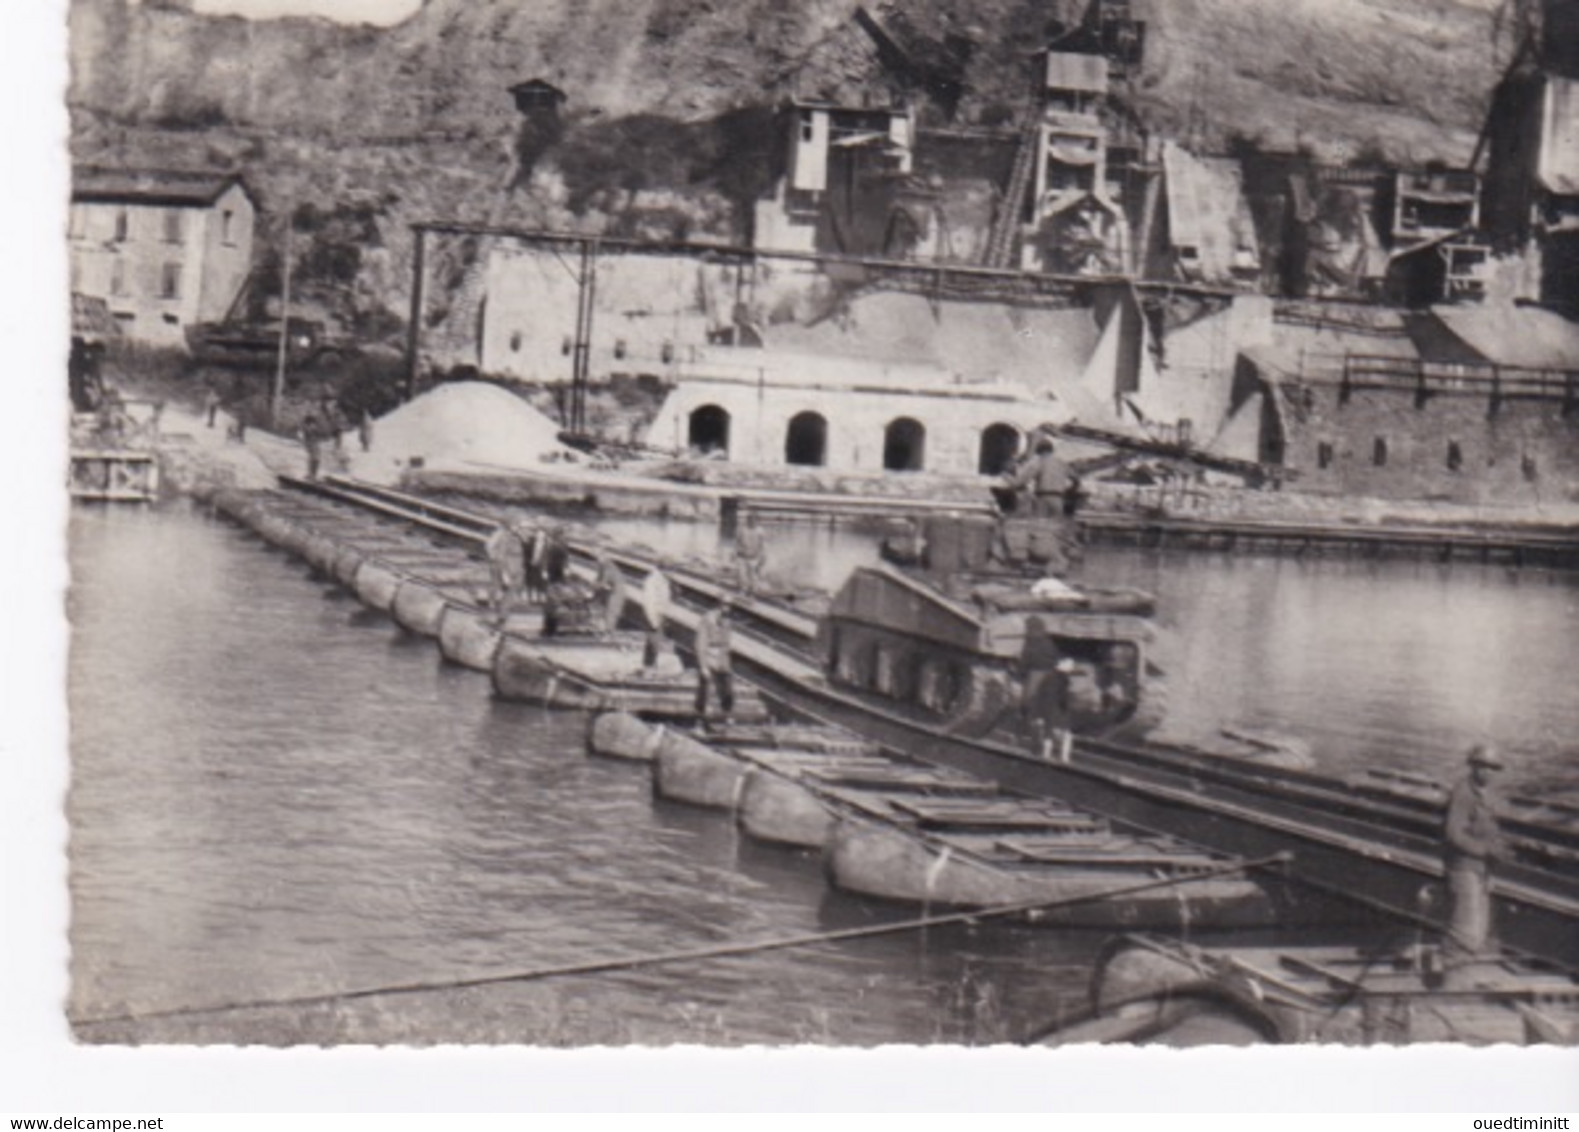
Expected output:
(665, 126)
(1409, 75)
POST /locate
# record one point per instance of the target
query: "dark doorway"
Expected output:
(904, 446)
(806, 440)
(709, 430)
(1000, 444)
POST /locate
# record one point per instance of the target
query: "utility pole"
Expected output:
(414, 319)
(581, 362)
(277, 394)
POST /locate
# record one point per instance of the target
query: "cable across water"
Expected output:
(722, 951)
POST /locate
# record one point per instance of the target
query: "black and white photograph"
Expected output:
(746, 523)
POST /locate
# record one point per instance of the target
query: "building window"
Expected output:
(122, 226)
(1455, 456)
(227, 227)
(1323, 454)
(1379, 452)
(515, 342)
(904, 446)
(117, 276)
(807, 129)
(806, 440)
(709, 431)
(170, 281)
(1000, 445)
(174, 229)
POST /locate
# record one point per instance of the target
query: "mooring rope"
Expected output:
(722, 951)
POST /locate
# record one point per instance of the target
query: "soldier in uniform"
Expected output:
(713, 662)
(1473, 840)
(750, 552)
(1044, 481)
(505, 568)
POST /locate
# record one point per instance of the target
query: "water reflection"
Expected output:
(277, 795)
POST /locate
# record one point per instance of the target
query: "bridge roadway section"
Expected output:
(1147, 786)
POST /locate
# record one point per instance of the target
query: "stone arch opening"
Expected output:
(1000, 444)
(806, 440)
(904, 445)
(709, 429)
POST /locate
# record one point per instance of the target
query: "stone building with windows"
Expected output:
(782, 408)
(1467, 404)
(164, 250)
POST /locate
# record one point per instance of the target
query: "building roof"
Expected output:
(1439, 343)
(1558, 168)
(1515, 336)
(1495, 334)
(535, 88)
(1067, 70)
(166, 187)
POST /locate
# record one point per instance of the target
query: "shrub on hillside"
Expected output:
(191, 113)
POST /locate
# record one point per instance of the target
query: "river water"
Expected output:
(1398, 664)
(276, 795)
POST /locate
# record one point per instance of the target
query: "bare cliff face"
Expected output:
(1410, 75)
(666, 129)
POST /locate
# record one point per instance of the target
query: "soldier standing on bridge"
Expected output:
(713, 662)
(1473, 840)
(505, 568)
(312, 441)
(750, 552)
(608, 593)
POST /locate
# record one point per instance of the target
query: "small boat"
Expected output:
(998, 851)
(1165, 991)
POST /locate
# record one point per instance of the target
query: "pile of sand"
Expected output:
(465, 423)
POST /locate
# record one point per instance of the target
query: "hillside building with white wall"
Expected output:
(164, 250)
